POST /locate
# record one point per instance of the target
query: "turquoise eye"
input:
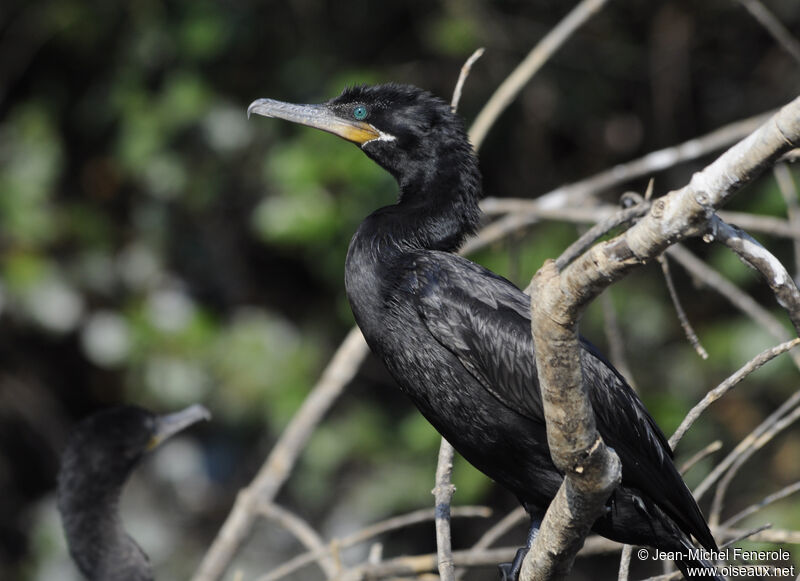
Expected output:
(360, 112)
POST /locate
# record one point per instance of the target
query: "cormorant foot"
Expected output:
(510, 571)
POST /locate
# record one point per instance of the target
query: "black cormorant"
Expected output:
(101, 453)
(457, 338)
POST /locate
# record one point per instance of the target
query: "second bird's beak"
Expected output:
(171, 424)
(318, 116)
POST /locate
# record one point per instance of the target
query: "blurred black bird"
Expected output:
(457, 337)
(101, 454)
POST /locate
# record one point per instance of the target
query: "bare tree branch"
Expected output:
(520, 76)
(576, 193)
(757, 444)
(501, 527)
(727, 385)
(591, 469)
(774, 26)
(462, 77)
(777, 536)
(701, 454)
(752, 509)
(603, 227)
(587, 213)
(752, 253)
(303, 531)
(443, 494)
(676, 301)
(625, 563)
(419, 564)
(732, 293)
(791, 407)
(370, 532)
(277, 467)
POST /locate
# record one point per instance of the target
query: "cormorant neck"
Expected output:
(438, 200)
(89, 507)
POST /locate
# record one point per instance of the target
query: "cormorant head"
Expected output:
(403, 128)
(106, 446)
(100, 455)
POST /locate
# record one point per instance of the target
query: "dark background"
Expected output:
(158, 248)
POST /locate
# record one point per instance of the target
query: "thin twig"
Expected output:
(777, 536)
(418, 564)
(774, 26)
(676, 301)
(625, 563)
(700, 455)
(462, 77)
(443, 494)
(591, 214)
(576, 193)
(757, 444)
(787, 407)
(746, 535)
(769, 225)
(520, 76)
(500, 528)
(278, 465)
(370, 532)
(724, 387)
(766, 501)
(302, 531)
(621, 218)
(738, 298)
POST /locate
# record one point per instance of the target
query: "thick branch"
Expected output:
(760, 259)
(685, 212)
(591, 470)
(575, 194)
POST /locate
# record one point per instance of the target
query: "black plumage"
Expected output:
(101, 454)
(457, 337)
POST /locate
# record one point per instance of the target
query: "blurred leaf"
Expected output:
(303, 217)
(453, 35)
(263, 364)
(203, 33)
(21, 271)
(30, 162)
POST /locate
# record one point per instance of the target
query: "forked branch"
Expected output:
(591, 470)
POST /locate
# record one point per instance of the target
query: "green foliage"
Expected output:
(30, 162)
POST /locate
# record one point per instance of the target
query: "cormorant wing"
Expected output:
(484, 320)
